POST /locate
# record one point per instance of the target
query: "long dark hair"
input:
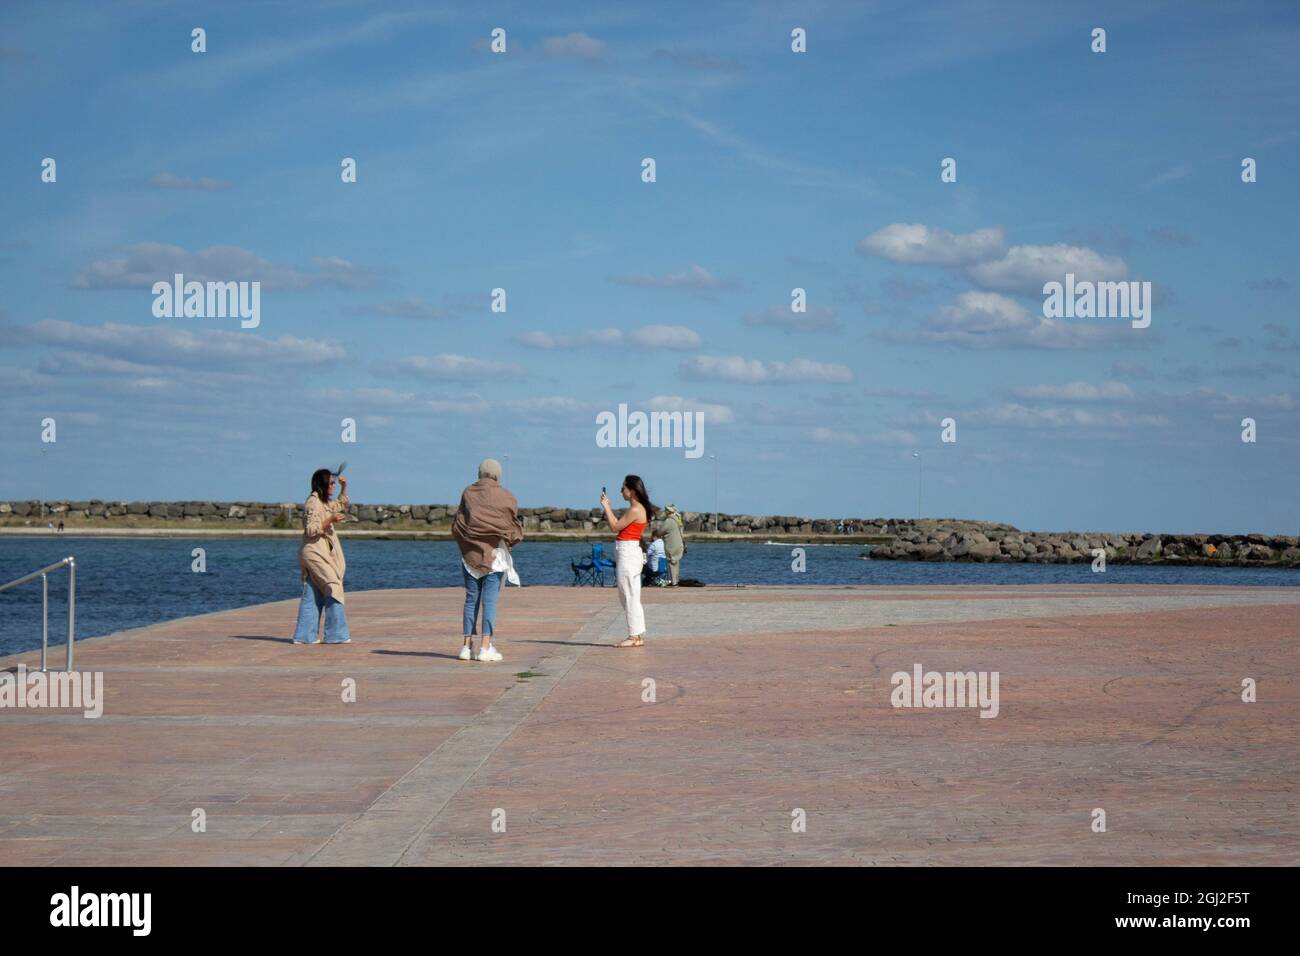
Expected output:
(320, 483)
(637, 487)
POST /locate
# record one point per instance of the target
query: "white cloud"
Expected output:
(665, 337)
(988, 320)
(545, 409)
(919, 244)
(143, 264)
(163, 345)
(341, 274)
(1170, 175)
(545, 341)
(818, 318)
(1109, 391)
(202, 184)
(677, 337)
(17, 379)
(1015, 415)
(577, 45)
(385, 398)
(451, 367)
(390, 402)
(734, 368)
(1284, 401)
(696, 278)
(409, 307)
(872, 391)
(896, 438)
(713, 414)
(1026, 268)
(67, 362)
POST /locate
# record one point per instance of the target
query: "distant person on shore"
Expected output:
(674, 545)
(486, 526)
(655, 560)
(628, 555)
(321, 560)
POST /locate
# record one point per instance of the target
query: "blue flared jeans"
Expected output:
(314, 602)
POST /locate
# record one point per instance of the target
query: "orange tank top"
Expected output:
(632, 532)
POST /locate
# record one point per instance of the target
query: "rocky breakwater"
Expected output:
(430, 518)
(986, 542)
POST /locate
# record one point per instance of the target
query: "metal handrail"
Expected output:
(71, 564)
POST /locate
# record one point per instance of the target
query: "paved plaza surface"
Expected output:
(766, 701)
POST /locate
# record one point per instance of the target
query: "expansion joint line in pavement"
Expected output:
(384, 833)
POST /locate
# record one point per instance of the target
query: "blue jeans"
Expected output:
(481, 592)
(314, 601)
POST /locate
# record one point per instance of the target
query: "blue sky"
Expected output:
(775, 170)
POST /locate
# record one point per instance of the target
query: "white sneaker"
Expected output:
(489, 654)
(466, 654)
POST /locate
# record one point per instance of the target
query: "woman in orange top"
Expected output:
(629, 557)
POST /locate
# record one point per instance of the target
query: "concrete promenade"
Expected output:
(767, 700)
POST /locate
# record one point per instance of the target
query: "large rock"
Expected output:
(976, 550)
(1149, 549)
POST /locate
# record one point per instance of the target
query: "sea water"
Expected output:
(132, 582)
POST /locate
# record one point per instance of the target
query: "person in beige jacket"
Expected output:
(486, 527)
(320, 559)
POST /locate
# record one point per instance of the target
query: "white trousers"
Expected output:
(630, 560)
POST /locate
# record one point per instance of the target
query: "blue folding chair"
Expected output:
(591, 570)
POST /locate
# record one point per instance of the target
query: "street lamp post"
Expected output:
(714, 459)
(504, 466)
(920, 470)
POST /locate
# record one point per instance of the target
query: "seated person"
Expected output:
(655, 560)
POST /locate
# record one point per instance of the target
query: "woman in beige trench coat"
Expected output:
(322, 564)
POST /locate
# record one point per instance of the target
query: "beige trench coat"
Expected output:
(321, 554)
